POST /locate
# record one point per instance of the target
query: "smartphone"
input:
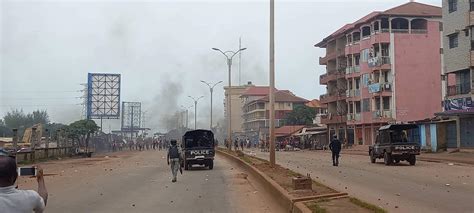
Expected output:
(27, 171)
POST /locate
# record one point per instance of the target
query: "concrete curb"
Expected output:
(281, 195)
(287, 201)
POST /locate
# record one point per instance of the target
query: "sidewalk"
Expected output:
(445, 157)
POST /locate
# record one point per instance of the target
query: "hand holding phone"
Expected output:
(27, 171)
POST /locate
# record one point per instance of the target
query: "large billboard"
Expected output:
(103, 96)
(131, 115)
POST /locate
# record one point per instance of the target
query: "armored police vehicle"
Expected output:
(198, 148)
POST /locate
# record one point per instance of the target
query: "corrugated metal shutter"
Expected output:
(451, 135)
(467, 132)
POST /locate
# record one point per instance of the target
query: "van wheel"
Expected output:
(412, 160)
(387, 158)
(211, 164)
(372, 157)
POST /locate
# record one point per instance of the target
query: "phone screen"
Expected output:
(27, 171)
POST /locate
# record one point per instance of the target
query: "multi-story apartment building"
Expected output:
(383, 68)
(256, 108)
(236, 106)
(458, 42)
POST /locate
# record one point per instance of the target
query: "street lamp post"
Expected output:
(229, 56)
(211, 89)
(272, 83)
(195, 109)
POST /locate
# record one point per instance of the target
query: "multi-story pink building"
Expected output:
(384, 68)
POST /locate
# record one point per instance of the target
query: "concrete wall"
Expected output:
(417, 74)
(456, 58)
(44, 154)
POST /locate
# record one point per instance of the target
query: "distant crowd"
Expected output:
(139, 144)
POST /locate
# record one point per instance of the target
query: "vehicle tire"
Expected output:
(211, 164)
(387, 158)
(412, 160)
(397, 160)
(372, 157)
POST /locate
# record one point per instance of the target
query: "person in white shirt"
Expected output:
(13, 200)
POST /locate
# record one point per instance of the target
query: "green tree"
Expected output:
(301, 115)
(81, 131)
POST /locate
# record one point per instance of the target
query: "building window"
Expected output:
(453, 40)
(453, 5)
(386, 103)
(472, 5)
(366, 105)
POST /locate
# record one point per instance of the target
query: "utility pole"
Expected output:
(211, 89)
(195, 109)
(272, 83)
(131, 124)
(229, 56)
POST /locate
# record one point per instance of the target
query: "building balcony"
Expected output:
(459, 89)
(333, 119)
(354, 118)
(377, 88)
(382, 116)
(329, 56)
(380, 62)
(353, 69)
(380, 37)
(353, 95)
(352, 48)
(330, 76)
(328, 98)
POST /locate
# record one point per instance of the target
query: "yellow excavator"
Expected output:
(25, 141)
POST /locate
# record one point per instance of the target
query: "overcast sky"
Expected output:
(162, 49)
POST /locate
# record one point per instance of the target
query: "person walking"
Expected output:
(174, 156)
(335, 147)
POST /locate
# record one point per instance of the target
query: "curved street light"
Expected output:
(229, 56)
(195, 108)
(211, 89)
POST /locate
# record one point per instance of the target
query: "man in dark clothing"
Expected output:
(173, 156)
(335, 147)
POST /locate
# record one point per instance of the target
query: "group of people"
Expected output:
(240, 143)
(140, 145)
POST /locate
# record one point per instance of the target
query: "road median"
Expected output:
(278, 181)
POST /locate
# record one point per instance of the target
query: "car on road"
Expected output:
(393, 145)
(198, 148)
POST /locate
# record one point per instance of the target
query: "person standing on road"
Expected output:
(173, 156)
(335, 147)
(13, 200)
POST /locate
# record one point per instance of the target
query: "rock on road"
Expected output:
(425, 187)
(141, 182)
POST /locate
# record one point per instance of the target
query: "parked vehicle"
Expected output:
(198, 148)
(393, 145)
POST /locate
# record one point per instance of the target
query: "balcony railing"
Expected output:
(378, 61)
(381, 114)
(419, 31)
(356, 69)
(399, 30)
(459, 89)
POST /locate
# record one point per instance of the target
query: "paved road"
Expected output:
(401, 188)
(140, 182)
